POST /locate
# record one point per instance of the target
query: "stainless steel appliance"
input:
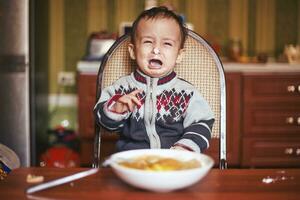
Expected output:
(14, 78)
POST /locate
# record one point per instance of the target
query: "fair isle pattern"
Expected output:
(138, 114)
(198, 67)
(171, 105)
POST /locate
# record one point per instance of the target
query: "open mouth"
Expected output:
(155, 63)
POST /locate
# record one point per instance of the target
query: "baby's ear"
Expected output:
(180, 56)
(131, 51)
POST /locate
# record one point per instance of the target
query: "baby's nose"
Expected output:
(156, 50)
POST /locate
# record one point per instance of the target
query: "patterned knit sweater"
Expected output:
(172, 113)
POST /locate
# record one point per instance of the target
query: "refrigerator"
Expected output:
(15, 84)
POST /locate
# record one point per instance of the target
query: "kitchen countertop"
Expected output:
(92, 67)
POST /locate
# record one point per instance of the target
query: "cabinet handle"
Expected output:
(298, 151)
(298, 120)
(291, 88)
(298, 88)
(289, 120)
(288, 151)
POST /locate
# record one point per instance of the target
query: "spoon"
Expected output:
(61, 181)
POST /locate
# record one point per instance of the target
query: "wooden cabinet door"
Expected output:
(86, 102)
(271, 120)
(233, 117)
(271, 152)
(272, 88)
(271, 104)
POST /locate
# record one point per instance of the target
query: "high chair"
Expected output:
(200, 66)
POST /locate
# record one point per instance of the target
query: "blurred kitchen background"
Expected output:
(59, 33)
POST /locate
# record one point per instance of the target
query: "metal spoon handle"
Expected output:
(60, 181)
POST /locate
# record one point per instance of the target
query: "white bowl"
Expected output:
(160, 181)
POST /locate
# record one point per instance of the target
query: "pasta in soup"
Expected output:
(157, 163)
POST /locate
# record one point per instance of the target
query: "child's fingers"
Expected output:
(135, 92)
(134, 98)
(136, 101)
(131, 100)
(131, 106)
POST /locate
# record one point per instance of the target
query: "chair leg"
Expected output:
(223, 164)
(97, 143)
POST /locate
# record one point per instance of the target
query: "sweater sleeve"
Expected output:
(198, 123)
(104, 116)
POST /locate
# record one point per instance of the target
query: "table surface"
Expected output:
(218, 184)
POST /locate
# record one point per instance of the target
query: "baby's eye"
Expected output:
(147, 41)
(168, 44)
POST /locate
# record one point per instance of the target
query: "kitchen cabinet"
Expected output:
(233, 117)
(86, 100)
(271, 120)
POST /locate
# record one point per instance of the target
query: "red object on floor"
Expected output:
(61, 157)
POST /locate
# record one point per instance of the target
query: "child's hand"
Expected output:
(127, 102)
(178, 148)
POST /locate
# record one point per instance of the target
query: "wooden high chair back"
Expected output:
(200, 66)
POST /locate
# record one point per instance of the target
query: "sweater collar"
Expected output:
(141, 77)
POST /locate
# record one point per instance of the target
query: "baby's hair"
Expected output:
(156, 13)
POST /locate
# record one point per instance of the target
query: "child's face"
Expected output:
(157, 46)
